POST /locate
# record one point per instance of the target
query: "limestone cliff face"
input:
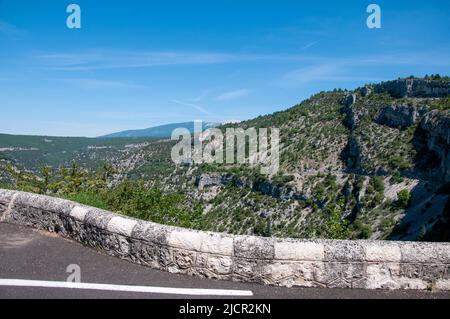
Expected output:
(208, 180)
(414, 88)
(351, 115)
(400, 116)
(433, 139)
(265, 187)
(408, 105)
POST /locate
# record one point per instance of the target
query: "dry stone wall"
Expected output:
(281, 262)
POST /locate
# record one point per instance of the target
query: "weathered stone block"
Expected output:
(411, 270)
(184, 259)
(79, 213)
(325, 273)
(432, 273)
(443, 284)
(353, 271)
(118, 245)
(151, 233)
(3, 207)
(5, 198)
(217, 244)
(6, 195)
(419, 253)
(45, 203)
(201, 260)
(411, 283)
(346, 251)
(245, 267)
(289, 274)
(382, 276)
(299, 250)
(165, 256)
(98, 218)
(220, 265)
(94, 236)
(254, 247)
(121, 225)
(35, 217)
(447, 273)
(443, 252)
(206, 273)
(186, 239)
(382, 252)
(73, 228)
(145, 253)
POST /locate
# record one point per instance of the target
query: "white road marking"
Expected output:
(107, 287)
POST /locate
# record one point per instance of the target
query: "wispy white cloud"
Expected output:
(194, 106)
(351, 69)
(305, 68)
(127, 59)
(103, 84)
(309, 45)
(115, 59)
(231, 95)
(10, 29)
(321, 73)
(202, 96)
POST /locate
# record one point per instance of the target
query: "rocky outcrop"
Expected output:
(400, 116)
(351, 155)
(265, 187)
(207, 180)
(365, 91)
(349, 100)
(432, 140)
(414, 88)
(275, 191)
(352, 117)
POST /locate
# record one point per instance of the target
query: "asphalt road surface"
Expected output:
(33, 264)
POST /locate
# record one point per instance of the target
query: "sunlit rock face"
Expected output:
(414, 88)
(401, 116)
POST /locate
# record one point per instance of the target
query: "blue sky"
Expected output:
(136, 64)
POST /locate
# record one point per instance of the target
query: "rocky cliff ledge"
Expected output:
(433, 139)
(265, 187)
(414, 88)
(401, 116)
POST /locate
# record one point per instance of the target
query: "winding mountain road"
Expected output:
(34, 264)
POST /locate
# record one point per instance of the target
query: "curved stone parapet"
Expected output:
(282, 262)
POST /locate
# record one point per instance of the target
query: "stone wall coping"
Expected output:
(239, 245)
(371, 264)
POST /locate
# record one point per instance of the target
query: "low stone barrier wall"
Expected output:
(282, 262)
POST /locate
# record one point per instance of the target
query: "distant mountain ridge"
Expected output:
(161, 131)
